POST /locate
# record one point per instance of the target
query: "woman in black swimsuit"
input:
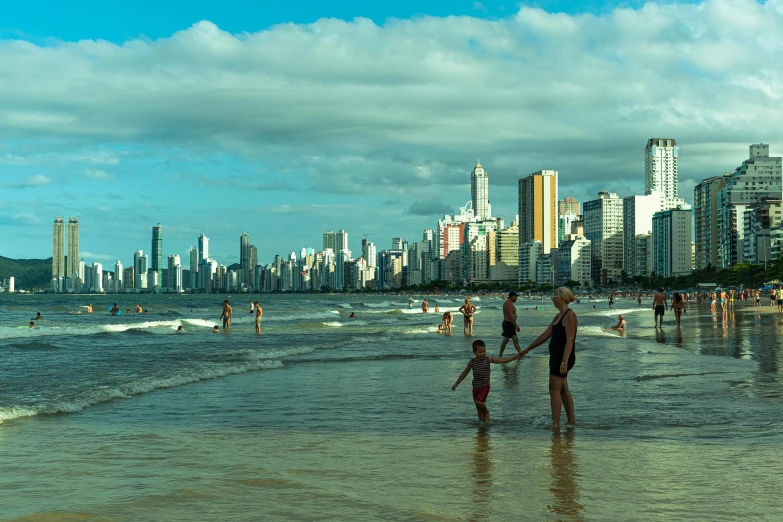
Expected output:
(561, 334)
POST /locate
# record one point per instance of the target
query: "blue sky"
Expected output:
(287, 119)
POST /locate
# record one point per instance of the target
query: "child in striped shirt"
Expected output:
(480, 366)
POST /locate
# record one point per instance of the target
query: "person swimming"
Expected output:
(352, 316)
(180, 329)
(38, 317)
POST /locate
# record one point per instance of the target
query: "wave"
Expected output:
(377, 305)
(251, 360)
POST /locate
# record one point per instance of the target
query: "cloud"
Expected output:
(97, 174)
(403, 108)
(431, 207)
(478, 6)
(38, 180)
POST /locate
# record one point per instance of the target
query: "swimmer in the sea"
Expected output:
(89, 308)
(38, 317)
(138, 309)
(32, 324)
(215, 329)
(114, 309)
(180, 329)
(352, 316)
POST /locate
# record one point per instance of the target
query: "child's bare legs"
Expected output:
(483, 411)
(677, 317)
(560, 396)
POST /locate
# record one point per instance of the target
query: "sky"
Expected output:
(286, 120)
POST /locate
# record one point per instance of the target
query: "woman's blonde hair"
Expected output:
(565, 294)
(467, 299)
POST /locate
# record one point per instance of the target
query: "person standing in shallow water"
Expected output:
(228, 312)
(510, 327)
(561, 334)
(468, 309)
(259, 314)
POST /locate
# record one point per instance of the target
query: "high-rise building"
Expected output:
(336, 240)
(97, 278)
(759, 221)
(506, 262)
(118, 276)
(244, 255)
(175, 274)
(72, 268)
(58, 254)
(638, 212)
(203, 248)
(660, 166)
(476, 248)
(568, 206)
(369, 252)
(759, 177)
(479, 192)
(574, 261)
(671, 239)
(156, 263)
(603, 218)
(538, 209)
(705, 220)
(140, 268)
(253, 264)
(194, 263)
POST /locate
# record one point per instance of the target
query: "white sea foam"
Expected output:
(345, 305)
(335, 324)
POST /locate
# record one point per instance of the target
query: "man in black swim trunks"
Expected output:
(510, 327)
(659, 305)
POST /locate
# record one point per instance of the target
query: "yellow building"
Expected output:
(538, 208)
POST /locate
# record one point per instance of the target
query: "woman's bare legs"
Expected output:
(560, 396)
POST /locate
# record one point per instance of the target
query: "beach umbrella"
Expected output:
(767, 287)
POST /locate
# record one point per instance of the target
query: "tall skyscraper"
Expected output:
(660, 166)
(118, 276)
(336, 240)
(568, 206)
(194, 262)
(538, 209)
(603, 220)
(155, 275)
(705, 220)
(58, 253)
(140, 266)
(479, 192)
(156, 263)
(203, 248)
(175, 274)
(244, 256)
(253, 264)
(72, 268)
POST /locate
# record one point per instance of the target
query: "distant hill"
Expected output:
(28, 274)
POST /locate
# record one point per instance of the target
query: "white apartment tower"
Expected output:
(660, 166)
(603, 220)
(479, 192)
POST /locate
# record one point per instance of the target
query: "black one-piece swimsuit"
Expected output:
(557, 344)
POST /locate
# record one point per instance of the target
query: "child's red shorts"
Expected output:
(480, 394)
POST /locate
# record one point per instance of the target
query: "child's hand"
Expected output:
(453, 388)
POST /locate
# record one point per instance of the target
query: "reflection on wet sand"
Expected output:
(510, 372)
(482, 476)
(565, 475)
(660, 336)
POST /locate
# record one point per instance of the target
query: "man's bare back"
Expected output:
(510, 311)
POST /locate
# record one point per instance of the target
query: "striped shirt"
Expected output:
(480, 372)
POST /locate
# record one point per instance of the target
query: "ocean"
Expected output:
(322, 417)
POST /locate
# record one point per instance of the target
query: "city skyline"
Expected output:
(390, 129)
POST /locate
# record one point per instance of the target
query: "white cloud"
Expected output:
(38, 180)
(409, 104)
(98, 174)
(90, 257)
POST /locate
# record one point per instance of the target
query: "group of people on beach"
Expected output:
(561, 334)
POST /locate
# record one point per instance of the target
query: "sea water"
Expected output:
(322, 417)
